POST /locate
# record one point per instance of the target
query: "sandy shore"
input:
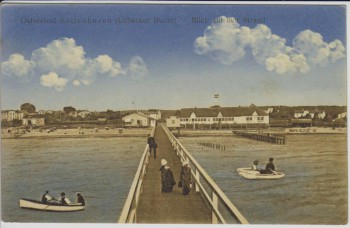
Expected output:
(78, 133)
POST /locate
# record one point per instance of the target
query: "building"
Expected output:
(268, 110)
(321, 114)
(173, 122)
(155, 114)
(227, 116)
(10, 115)
(83, 113)
(138, 119)
(301, 113)
(33, 120)
(301, 123)
(43, 112)
(342, 115)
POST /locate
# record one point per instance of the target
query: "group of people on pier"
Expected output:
(168, 181)
(46, 198)
(167, 177)
(270, 167)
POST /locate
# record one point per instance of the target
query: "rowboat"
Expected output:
(50, 206)
(248, 173)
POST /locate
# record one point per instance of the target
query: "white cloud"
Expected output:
(319, 52)
(225, 42)
(17, 66)
(65, 58)
(228, 42)
(106, 65)
(137, 67)
(62, 56)
(53, 80)
(283, 63)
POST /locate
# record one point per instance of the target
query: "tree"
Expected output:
(28, 107)
(69, 109)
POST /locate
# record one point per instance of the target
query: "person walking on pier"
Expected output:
(185, 178)
(152, 144)
(167, 177)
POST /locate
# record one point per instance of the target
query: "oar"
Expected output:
(275, 172)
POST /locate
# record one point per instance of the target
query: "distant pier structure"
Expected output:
(265, 137)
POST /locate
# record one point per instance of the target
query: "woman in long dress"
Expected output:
(167, 177)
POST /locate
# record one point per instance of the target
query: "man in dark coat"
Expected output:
(46, 198)
(270, 167)
(80, 199)
(185, 178)
(152, 145)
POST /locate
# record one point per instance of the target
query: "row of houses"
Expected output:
(189, 117)
(305, 113)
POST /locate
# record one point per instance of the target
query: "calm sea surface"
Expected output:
(314, 190)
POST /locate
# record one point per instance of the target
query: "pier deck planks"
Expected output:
(157, 207)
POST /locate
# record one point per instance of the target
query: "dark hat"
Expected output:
(63, 194)
(271, 159)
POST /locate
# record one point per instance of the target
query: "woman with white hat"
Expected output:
(167, 177)
(185, 178)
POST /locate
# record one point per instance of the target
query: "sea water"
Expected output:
(314, 190)
(102, 169)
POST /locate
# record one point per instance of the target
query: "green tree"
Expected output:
(28, 107)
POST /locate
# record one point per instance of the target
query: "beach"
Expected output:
(77, 133)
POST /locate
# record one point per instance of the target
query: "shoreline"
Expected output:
(76, 133)
(144, 132)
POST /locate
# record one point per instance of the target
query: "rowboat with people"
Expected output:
(250, 174)
(50, 206)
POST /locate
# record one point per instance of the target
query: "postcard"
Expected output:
(173, 113)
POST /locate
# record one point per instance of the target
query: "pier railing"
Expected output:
(215, 195)
(128, 214)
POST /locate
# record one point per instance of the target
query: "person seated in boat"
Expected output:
(270, 167)
(255, 165)
(47, 198)
(64, 200)
(80, 199)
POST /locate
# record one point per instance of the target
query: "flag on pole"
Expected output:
(216, 95)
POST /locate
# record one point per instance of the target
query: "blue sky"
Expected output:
(296, 56)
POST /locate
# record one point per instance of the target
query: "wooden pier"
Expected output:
(147, 204)
(262, 137)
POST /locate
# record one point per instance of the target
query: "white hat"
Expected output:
(185, 162)
(163, 162)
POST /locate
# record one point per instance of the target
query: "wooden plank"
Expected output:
(158, 207)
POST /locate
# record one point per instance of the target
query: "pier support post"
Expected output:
(197, 183)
